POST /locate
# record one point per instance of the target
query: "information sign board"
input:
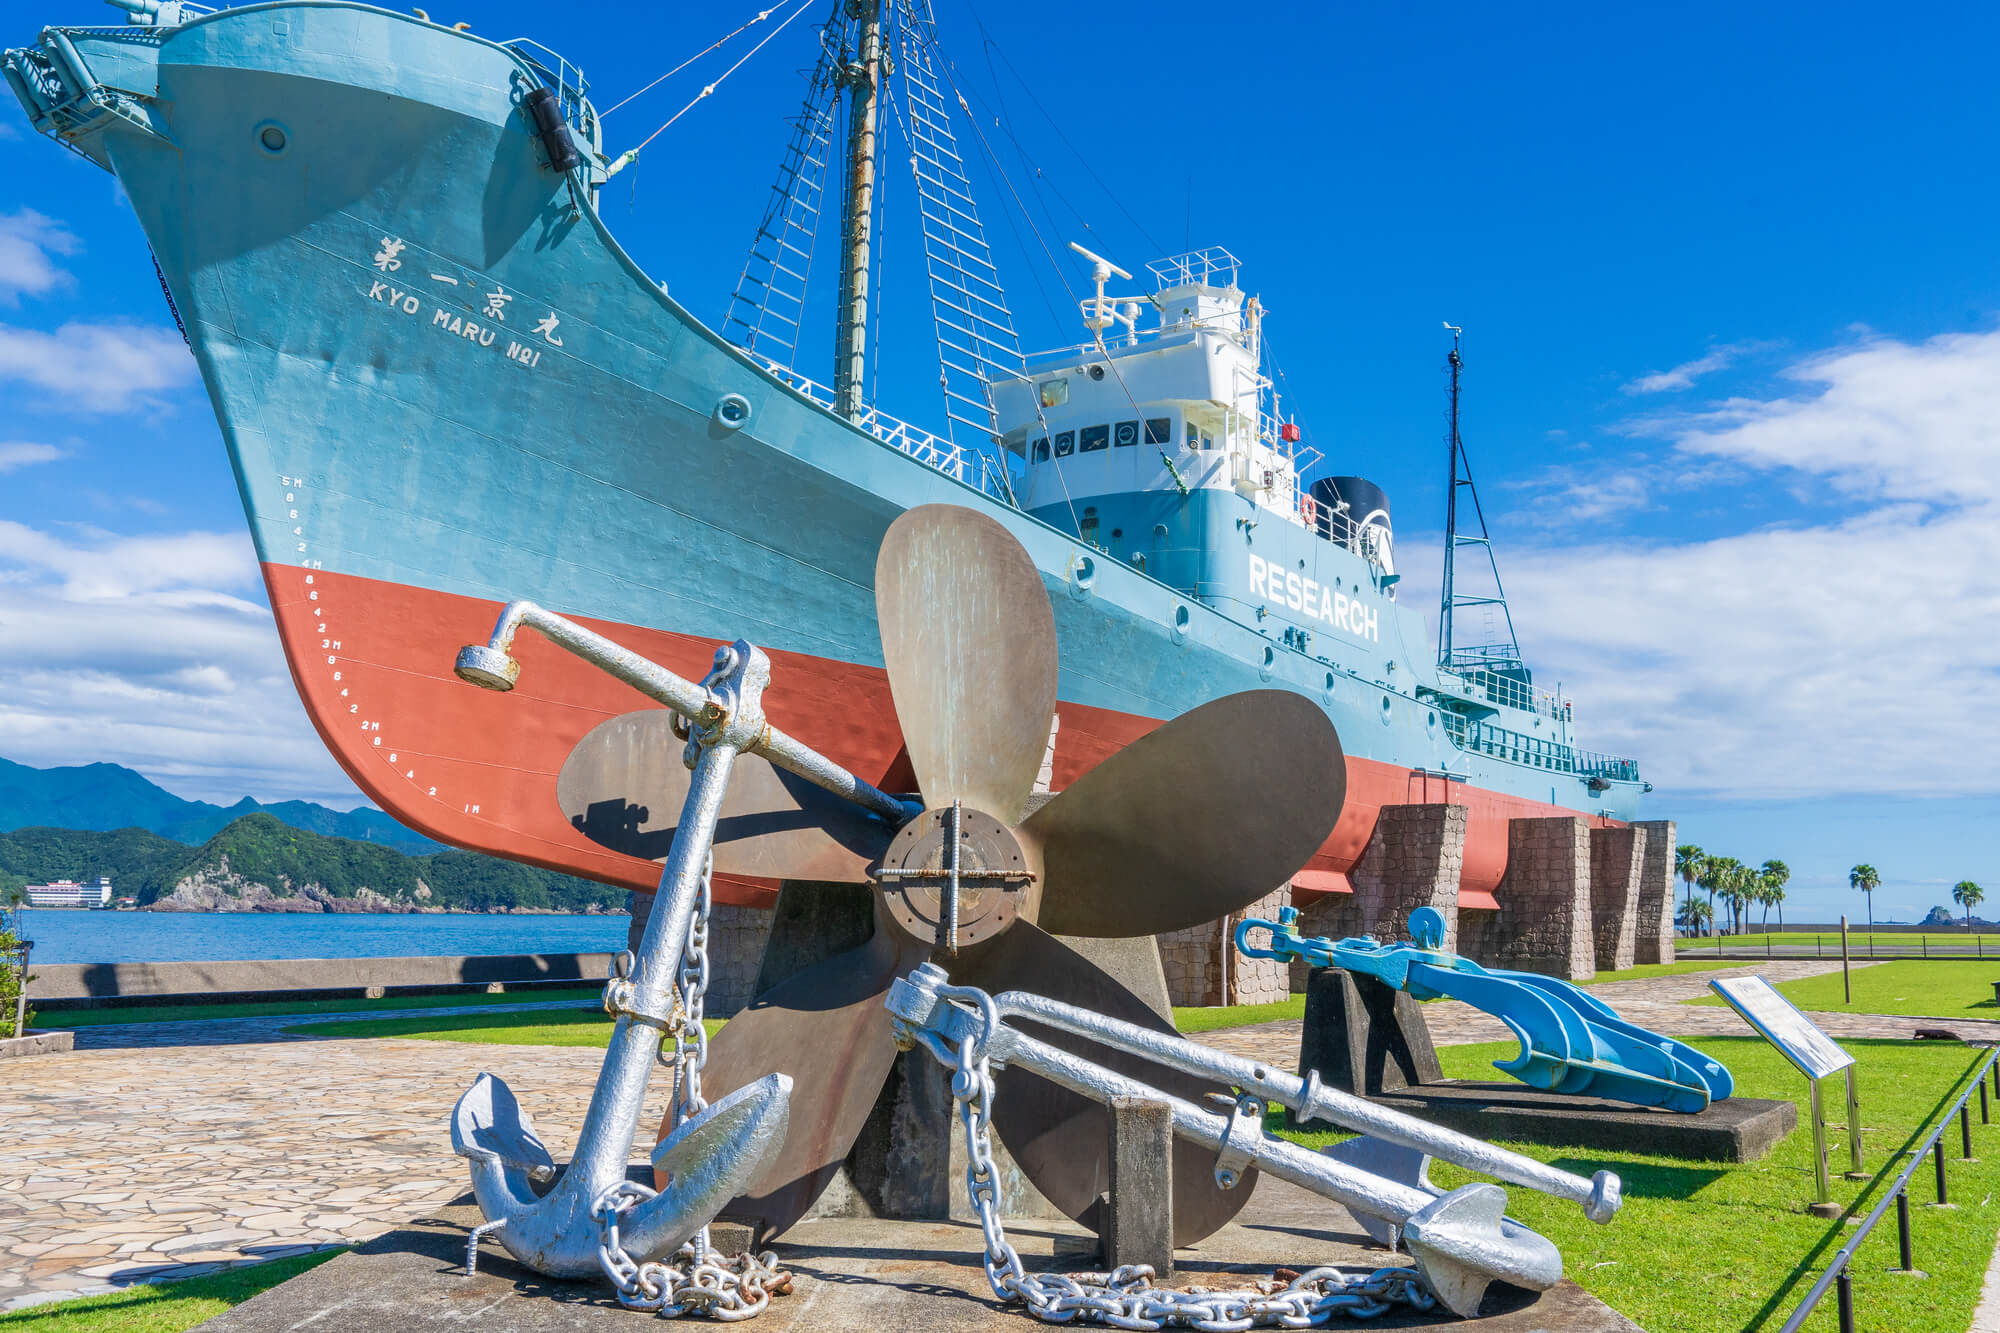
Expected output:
(1781, 1023)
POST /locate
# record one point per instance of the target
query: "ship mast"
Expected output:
(1493, 654)
(862, 78)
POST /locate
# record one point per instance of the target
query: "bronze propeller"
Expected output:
(1195, 820)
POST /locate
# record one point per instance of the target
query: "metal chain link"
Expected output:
(1126, 1297)
(698, 1280)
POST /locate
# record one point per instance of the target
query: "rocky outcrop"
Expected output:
(223, 890)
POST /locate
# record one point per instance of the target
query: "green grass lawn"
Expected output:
(1217, 1017)
(552, 1027)
(173, 1013)
(1704, 1246)
(1950, 989)
(165, 1307)
(1857, 941)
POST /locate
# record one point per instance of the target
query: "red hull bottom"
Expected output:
(372, 661)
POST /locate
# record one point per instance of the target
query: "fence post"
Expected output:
(1937, 1153)
(1843, 1291)
(1965, 1132)
(1846, 981)
(1985, 1116)
(1903, 1231)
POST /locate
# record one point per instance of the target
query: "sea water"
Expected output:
(71, 936)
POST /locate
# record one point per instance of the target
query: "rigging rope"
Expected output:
(631, 155)
(689, 61)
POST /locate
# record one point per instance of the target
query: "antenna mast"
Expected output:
(862, 78)
(1491, 655)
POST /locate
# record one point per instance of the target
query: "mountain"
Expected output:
(107, 796)
(258, 863)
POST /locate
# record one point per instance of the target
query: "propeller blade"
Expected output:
(1197, 819)
(624, 784)
(1061, 1139)
(826, 1028)
(970, 645)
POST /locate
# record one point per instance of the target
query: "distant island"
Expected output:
(191, 856)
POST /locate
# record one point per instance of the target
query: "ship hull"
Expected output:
(444, 386)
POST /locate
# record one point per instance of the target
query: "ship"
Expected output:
(443, 385)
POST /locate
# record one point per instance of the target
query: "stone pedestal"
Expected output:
(1616, 858)
(1544, 921)
(1414, 858)
(1363, 1036)
(1654, 937)
(1202, 966)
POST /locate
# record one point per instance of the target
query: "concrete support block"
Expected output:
(1414, 858)
(736, 941)
(1655, 932)
(1616, 858)
(1364, 1036)
(1139, 1224)
(1544, 921)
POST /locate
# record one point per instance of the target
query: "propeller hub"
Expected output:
(921, 878)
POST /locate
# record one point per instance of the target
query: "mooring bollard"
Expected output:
(1139, 1216)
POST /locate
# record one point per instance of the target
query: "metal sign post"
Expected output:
(1813, 1054)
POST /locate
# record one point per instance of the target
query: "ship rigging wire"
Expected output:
(631, 155)
(713, 46)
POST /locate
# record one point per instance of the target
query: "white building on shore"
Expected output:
(69, 893)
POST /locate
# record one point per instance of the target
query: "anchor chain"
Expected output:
(1126, 1297)
(698, 1279)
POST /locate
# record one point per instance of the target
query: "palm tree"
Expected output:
(1687, 864)
(1867, 879)
(1776, 875)
(1692, 914)
(1968, 895)
(1718, 874)
(1742, 892)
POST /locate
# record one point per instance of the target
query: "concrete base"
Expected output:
(33, 1042)
(1363, 1036)
(883, 1276)
(1740, 1129)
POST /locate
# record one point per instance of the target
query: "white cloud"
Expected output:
(1685, 374)
(23, 455)
(92, 367)
(1907, 421)
(1848, 656)
(29, 245)
(148, 651)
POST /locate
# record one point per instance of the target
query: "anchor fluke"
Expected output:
(1462, 1246)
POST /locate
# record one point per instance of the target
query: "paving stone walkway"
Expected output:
(165, 1150)
(172, 1149)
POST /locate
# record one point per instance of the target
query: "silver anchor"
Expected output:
(1461, 1241)
(719, 1152)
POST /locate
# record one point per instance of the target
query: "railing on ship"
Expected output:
(1339, 527)
(565, 80)
(1515, 747)
(970, 466)
(1502, 688)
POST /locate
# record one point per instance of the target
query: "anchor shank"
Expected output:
(1313, 1101)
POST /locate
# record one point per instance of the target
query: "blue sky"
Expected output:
(1730, 295)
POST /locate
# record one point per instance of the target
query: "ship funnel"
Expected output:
(1354, 512)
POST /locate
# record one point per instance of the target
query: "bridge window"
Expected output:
(1041, 454)
(1159, 430)
(1095, 438)
(1065, 443)
(1127, 433)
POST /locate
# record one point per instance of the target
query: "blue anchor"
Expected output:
(1571, 1042)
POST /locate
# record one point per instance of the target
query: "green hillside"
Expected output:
(259, 849)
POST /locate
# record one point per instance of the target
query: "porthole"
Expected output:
(732, 411)
(271, 137)
(1431, 720)
(1181, 619)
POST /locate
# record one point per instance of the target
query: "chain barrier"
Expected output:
(698, 1279)
(1126, 1297)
